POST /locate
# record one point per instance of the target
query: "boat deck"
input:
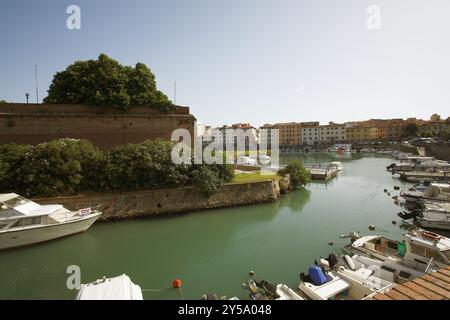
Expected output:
(433, 286)
(445, 175)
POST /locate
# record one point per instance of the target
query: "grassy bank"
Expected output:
(252, 177)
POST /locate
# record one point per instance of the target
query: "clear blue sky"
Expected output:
(252, 61)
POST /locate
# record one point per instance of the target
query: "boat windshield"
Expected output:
(16, 201)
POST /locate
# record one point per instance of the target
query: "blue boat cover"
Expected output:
(317, 276)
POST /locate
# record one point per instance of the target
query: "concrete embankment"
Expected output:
(438, 150)
(125, 205)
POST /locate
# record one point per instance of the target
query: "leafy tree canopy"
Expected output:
(298, 175)
(411, 130)
(2, 102)
(68, 166)
(105, 82)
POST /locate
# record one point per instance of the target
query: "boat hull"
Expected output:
(27, 236)
(433, 224)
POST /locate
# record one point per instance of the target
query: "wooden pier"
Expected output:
(322, 172)
(433, 286)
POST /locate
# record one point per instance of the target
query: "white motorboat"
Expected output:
(443, 207)
(386, 270)
(433, 220)
(286, 293)
(118, 288)
(421, 250)
(324, 283)
(336, 165)
(264, 159)
(419, 164)
(263, 290)
(247, 161)
(24, 222)
(434, 192)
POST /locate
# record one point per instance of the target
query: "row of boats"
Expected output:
(372, 264)
(368, 266)
(427, 204)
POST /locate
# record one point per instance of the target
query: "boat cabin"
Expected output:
(17, 211)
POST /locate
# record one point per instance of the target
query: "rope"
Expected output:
(181, 293)
(154, 290)
(166, 289)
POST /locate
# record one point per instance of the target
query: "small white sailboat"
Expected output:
(118, 288)
(24, 222)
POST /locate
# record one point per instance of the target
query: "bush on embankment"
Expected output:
(68, 166)
(298, 175)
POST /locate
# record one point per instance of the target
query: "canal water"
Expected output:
(213, 250)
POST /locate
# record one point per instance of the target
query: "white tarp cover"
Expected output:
(118, 288)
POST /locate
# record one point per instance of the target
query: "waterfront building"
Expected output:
(310, 135)
(240, 135)
(265, 134)
(289, 133)
(431, 129)
(361, 133)
(332, 133)
(435, 118)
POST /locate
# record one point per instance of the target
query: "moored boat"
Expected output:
(330, 280)
(421, 250)
(24, 222)
(434, 192)
(118, 288)
(264, 290)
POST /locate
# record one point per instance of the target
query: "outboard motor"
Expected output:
(332, 260)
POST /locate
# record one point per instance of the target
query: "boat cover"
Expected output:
(317, 276)
(119, 288)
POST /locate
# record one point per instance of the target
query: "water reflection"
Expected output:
(295, 200)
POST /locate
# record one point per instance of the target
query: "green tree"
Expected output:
(58, 167)
(411, 130)
(298, 175)
(146, 165)
(12, 158)
(105, 82)
(3, 102)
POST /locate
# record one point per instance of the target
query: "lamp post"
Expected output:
(27, 95)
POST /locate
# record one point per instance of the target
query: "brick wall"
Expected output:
(105, 127)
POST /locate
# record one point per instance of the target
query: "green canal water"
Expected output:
(213, 250)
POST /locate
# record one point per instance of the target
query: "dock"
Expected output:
(433, 286)
(322, 172)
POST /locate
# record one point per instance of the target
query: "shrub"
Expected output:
(65, 166)
(298, 175)
(208, 180)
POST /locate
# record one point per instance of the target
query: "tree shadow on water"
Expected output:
(295, 200)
